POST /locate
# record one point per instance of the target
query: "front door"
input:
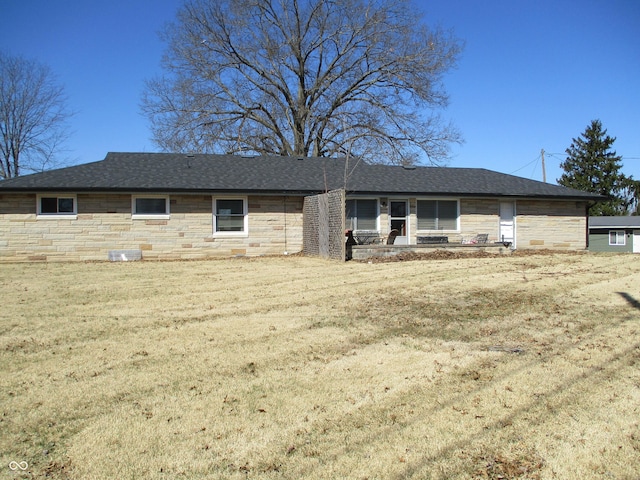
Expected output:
(636, 241)
(507, 227)
(399, 220)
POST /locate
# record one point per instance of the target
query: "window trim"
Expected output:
(377, 202)
(245, 214)
(58, 215)
(619, 234)
(151, 216)
(438, 199)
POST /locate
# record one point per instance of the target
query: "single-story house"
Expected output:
(614, 234)
(165, 206)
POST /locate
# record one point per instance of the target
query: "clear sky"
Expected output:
(532, 76)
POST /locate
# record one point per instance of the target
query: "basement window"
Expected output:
(57, 206)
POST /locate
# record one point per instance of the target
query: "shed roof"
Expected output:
(204, 173)
(614, 222)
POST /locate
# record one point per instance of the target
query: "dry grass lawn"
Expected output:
(493, 367)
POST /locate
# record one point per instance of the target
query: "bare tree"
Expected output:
(33, 116)
(304, 77)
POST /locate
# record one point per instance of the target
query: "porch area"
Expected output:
(364, 245)
(364, 252)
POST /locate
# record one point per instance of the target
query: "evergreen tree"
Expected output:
(633, 194)
(592, 166)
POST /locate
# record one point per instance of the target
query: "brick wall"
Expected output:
(324, 219)
(104, 223)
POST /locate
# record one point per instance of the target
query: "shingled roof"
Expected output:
(203, 173)
(614, 222)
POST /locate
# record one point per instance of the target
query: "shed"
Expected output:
(614, 234)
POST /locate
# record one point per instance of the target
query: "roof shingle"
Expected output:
(203, 173)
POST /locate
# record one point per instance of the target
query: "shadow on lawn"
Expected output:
(572, 388)
(632, 301)
(492, 462)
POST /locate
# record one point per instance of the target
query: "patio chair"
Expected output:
(479, 238)
(392, 236)
(482, 238)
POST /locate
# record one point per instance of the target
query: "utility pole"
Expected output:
(544, 172)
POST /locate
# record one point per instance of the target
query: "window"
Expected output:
(362, 214)
(437, 215)
(56, 205)
(153, 206)
(617, 237)
(230, 216)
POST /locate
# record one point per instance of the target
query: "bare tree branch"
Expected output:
(33, 116)
(304, 77)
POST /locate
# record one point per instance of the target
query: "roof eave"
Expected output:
(161, 191)
(476, 195)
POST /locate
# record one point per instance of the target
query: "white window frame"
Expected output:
(438, 199)
(620, 234)
(245, 213)
(151, 216)
(57, 215)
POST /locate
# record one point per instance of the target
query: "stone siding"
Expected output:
(275, 226)
(555, 225)
(480, 216)
(104, 223)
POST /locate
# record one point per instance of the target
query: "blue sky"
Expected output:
(532, 76)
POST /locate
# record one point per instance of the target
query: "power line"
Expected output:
(560, 156)
(623, 157)
(525, 166)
